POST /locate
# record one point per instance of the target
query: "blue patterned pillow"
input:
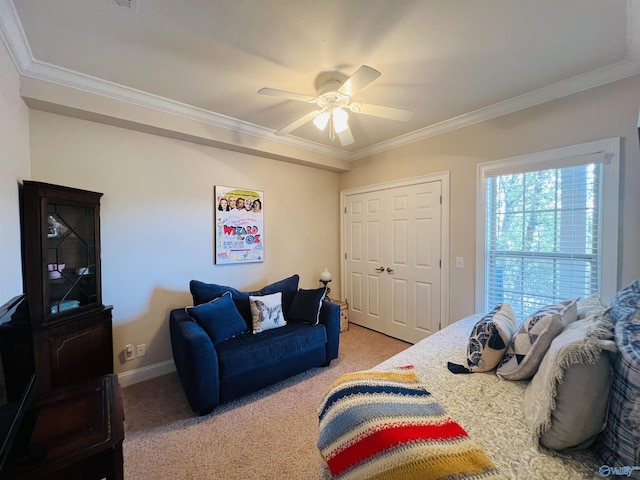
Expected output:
(625, 302)
(489, 340)
(306, 306)
(219, 318)
(619, 443)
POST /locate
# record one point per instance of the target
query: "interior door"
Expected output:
(365, 218)
(413, 261)
(393, 256)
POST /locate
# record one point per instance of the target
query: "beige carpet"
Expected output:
(267, 435)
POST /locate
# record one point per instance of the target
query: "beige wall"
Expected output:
(603, 112)
(157, 204)
(14, 165)
(156, 219)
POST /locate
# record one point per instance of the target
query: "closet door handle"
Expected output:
(381, 269)
(389, 270)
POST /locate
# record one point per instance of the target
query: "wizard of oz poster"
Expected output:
(239, 227)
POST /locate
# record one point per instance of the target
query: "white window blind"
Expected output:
(543, 236)
(548, 223)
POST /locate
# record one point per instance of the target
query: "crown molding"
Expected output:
(602, 76)
(579, 83)
(17, 45)
(13, 36)
(69, 78)
(15, 39)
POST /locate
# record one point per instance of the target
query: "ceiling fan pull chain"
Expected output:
(332, 131)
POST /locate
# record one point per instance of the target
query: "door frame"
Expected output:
(444, 178)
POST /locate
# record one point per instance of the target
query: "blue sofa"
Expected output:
(216, 370)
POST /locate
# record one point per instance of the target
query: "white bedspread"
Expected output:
(489, 409)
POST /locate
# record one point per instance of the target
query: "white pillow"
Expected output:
(589, 306)
(266, 312)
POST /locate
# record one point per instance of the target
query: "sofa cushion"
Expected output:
(205, 292)
(219, 318)
(250, 352)
(619, 443)
(528, 346)
(566, 401)
(306, 306)
(625, 302)
(266, 312)
(488, 340)
(288, 287)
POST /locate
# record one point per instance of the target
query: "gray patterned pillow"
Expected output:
(488, 341)
(576, 366)
(532, 340)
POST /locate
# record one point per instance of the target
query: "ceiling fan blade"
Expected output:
(345, 137)
(298, 123)
(392, 113)
(363, 77)
(284, 94)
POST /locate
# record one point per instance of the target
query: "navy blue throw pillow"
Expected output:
(306, 306)
(219, 318)
(205, 292)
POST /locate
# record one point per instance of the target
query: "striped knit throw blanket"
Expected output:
(383, 425)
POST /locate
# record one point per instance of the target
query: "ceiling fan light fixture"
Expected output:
(340, 120)
(333, 98)
(321, 120)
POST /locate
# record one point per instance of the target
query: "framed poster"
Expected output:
(239, 226)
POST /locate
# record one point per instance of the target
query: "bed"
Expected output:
(491, 409)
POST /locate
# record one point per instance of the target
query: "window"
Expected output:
(548, 227)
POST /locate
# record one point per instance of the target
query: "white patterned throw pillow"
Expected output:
(266, 312)
(532, 340)
(488, 340)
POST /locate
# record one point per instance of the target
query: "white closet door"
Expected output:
(393, 260)
(365, 223)
(413, 267)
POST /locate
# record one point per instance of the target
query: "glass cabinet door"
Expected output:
(71, 327)
(71, 252)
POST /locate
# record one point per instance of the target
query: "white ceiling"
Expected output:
(452, 62)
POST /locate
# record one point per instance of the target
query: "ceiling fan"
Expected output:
(333, 98)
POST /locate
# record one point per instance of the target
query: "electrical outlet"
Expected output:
(142, 350)
(128, 352)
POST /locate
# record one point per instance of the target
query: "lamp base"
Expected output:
(326, 286)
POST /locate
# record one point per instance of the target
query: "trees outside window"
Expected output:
(543, 230)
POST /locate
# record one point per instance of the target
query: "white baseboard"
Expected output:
(146, 373)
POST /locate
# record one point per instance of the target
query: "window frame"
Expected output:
(605, 151)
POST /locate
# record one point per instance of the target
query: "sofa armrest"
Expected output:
(330, 318)
(196, 361)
